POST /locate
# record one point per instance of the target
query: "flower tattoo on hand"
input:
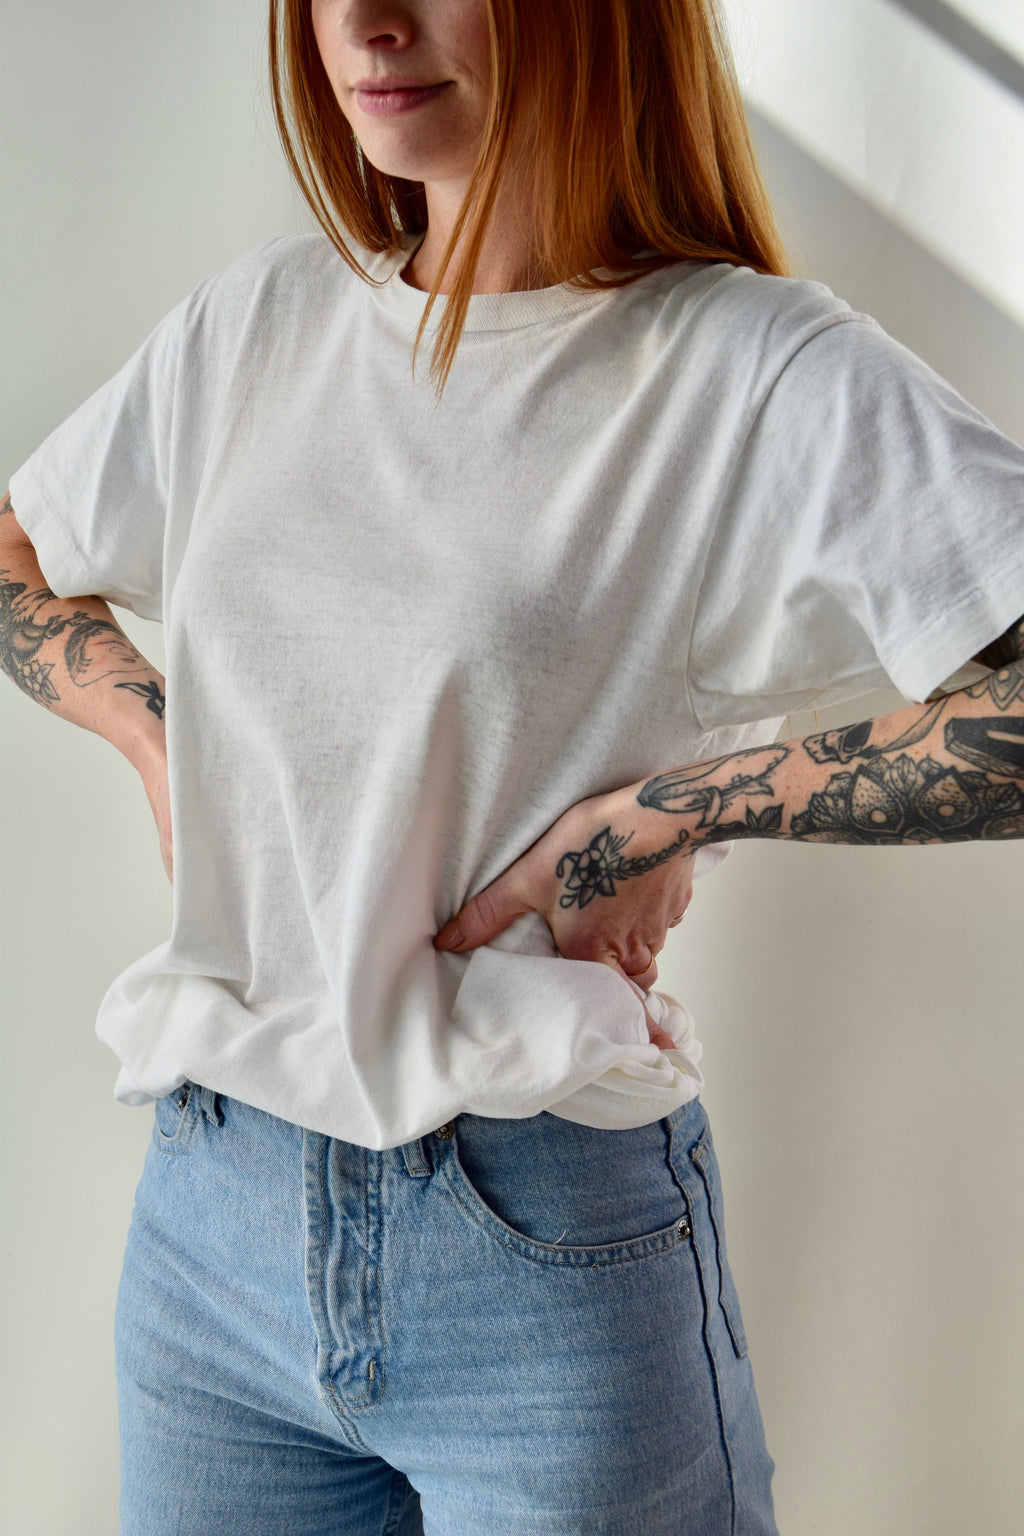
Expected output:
(595, 870)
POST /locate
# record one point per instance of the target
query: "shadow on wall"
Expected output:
(982, 50)
(834, 235)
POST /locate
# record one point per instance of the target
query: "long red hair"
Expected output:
(632, 126)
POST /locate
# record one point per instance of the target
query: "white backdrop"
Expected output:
(860, 1008)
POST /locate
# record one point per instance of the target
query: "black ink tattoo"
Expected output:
(853, 742)
(5, 505)
(997, 745)
(1005, 656)
(155, 700)
(756, 824)
(94, 648)
(889, 797)
(596, 870)
(599, 868)
(22, 637)
(885, 803)
(688, 790)
(1002, 688)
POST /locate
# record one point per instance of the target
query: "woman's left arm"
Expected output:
(612, 874)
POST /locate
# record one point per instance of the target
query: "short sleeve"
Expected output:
(872, 536)
(93, 497)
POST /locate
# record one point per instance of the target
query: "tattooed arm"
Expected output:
(70, 656)
(612, 874)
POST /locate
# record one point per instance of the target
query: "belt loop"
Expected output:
(416, 1161)
(209, 1103)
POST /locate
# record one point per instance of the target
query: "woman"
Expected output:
(422, 1238)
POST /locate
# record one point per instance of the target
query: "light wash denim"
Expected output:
(506, 1327)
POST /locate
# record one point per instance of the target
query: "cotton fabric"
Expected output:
(640, 528)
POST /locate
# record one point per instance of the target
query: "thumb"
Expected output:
(482, 918)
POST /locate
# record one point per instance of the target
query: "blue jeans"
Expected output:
(506, 1327)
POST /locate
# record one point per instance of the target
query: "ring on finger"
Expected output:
(643, 968)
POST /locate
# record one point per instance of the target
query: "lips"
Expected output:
(394, 94)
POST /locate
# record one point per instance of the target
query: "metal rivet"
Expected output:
(683, 1228)
(445, 1132)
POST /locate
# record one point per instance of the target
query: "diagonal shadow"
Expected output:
(969, 40)
(837, 236)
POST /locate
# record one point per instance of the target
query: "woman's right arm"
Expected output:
(70, 655)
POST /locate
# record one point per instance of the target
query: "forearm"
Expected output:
(940, 772)
(71, 656)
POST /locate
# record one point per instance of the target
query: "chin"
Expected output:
(400, 151)
(413, 167)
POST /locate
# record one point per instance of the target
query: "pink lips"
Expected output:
(387, 97)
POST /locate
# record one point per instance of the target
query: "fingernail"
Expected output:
(449, 937)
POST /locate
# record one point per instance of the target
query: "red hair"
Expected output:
(632, 127)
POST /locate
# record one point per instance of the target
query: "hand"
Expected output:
(610, 877)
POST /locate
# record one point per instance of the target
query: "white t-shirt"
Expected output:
(641, 527)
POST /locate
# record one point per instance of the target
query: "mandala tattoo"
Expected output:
(1005, 684)
(904, 801)
(1002, 688)
(888, 797)
(598, 869)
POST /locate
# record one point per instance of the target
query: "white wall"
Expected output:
(860, 1008)
(138, 156)
(898, 115)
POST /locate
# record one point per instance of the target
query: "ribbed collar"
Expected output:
(487, 311)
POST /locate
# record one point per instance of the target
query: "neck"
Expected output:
(504, 255)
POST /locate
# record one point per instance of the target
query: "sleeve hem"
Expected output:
(954, 637)
(59, 559)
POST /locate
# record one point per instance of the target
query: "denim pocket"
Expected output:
(561, 1193)
(174, 1118)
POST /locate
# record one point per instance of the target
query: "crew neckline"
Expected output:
(487, 311)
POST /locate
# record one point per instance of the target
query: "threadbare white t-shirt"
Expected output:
(403, 636)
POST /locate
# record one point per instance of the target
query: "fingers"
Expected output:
(482, 919)
(658, 1036)
(655, 1033)
(641, 968)
(641, 975)
(493, 909)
